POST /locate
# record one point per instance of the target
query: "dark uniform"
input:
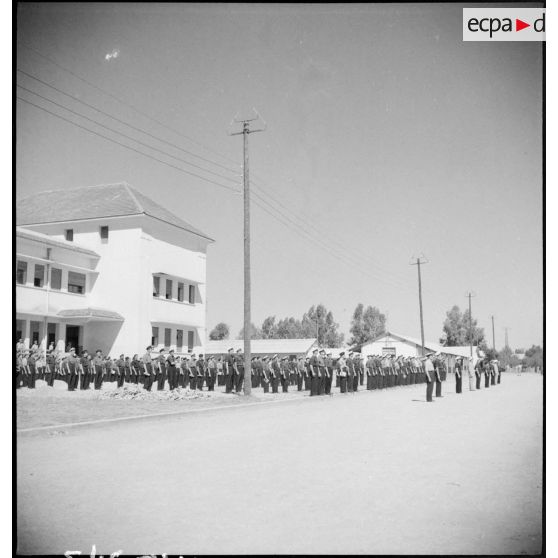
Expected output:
(136, 369)
(429, 376)
(369, 372)
(211, 374)
(307, 375)
(275, 374)
(329, 373)
(315, 378)
(438, 365)
(358, 369)
(97, 369)
(486, 368)
(192, 373)
(350, 373)
(50, 368)
(478, 372)
(161, 365)
(201, 372)
(300, 373)
(285, 374)
(239, 377)
(458, 369)
(85, 363)
(72, 367)
(342, 371)
(172, 372)
(322, 371)
(265, 374)
(184, 373)
(147, 370)
(121, 367)
(229, 371)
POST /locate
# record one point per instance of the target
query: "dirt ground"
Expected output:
(370, 473)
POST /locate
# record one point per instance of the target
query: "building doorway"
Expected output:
(73, 337)
(51, 334)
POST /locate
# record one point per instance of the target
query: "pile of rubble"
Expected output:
(136, 392)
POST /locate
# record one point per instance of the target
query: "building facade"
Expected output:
(107, 268)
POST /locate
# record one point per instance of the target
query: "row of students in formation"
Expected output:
(315, 374)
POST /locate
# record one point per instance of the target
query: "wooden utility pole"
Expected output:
(506, 330)
(469, 295)
(418, 261)
(247, 319)
(493, 336)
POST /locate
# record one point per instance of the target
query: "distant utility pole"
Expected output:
(418, 261)
(247, 322)
(469, 295)
(506, 330)
(493, 337)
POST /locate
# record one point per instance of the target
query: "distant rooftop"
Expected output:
(94, 202)
(262, 346)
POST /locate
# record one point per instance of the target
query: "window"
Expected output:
(35, 331)
(181, 292)
(39, 278)
(56, 279)
(191, 294)
(154, 336)
(156, 286)
(76, 282)
(104, 232)
(190, 340)
(51, 334)
(168, 292)
(179, 336)
(167, 337)
(69, 235)
(21, 273)
(20, 328)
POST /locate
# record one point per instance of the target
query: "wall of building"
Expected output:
(402, 348)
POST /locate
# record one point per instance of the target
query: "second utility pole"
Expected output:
(247, 320)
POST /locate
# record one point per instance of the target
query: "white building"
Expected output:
(403, 345)
(105, 267)
(263, 347)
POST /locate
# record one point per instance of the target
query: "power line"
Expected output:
(125, 146)
(124, 135)
(115, 97)
(61, 91)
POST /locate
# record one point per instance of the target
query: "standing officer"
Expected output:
(342, 371)
(300, 373)
(307, 375)
(211, 374)
(72, 367)
(486, 368)
(201, 372)
(147, 369)
(329, 373)
(498, 370)
(322, 371)
(284, 374)
(314, 374)
(275, 374)
(229, 370)
(350, 373)
(85, 365)
(98, 365)
(192, 372)
(439, 374)
(429, 376)
(135, 369)
(161, 365)
(183, 373)
(171, 371)
(493, 372)
(369, 372)
(478, 372)
(458, 374)
(121, 367)
(264, 374)
(239, 369)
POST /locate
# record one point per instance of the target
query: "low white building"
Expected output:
(403, 345)
(264, 347)
(105, 267)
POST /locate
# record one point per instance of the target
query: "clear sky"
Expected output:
(387, 136)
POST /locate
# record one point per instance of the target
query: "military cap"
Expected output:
(315, 350)
(72, 349)
(230, 349)
(121, 355)
(322, 351)
(238, 350)
(274, 356)
(369, 356)
(329, 354)
(148, 348)
(171, 351)
(161, 350)
(200, 355)
(341, 353)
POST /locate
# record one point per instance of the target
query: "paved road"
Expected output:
(379, 472)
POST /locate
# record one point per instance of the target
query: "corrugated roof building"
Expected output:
(263, 347)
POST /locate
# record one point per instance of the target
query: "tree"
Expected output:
(255, 333)
(367, 324)
(507, 357)
(268, 328)
(319, 322)
(533, 356)
(457, 330)
(219, 332)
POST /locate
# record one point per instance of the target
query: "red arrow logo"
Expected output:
(519, 25)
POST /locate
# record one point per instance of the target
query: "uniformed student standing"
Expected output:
(239, 369)
(486, 370)
(85, 364)
(458, 369)
(192, 372)
(429, 377)
(121, 374)
(322, 372)
(160, 368)
(135, 367)
(184, 373)
(229, 371)
(265, 376)
(350, 372)
(329, 369)
(275, 374)
(300, 372)
(492, 372)
(307, 375)
(342, 371)
(285, 374)
(356, 379)
(369, 371)
(478, 372)
(211, 374)
(72, 364)
(171, 371)
(314, 374)
(50, 368)
(438, 376)
(147, 369)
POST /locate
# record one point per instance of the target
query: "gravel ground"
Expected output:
(374, 472)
